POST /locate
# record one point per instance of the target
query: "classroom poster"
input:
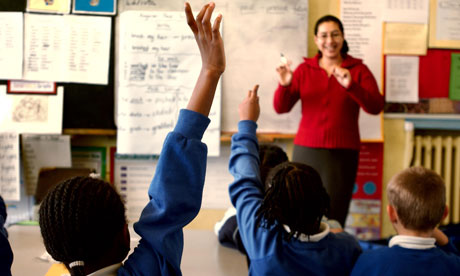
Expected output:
(95, 6)
(91, 158)
(132, 177)
(406, 11)
(405, 39)
(11, 42)
(364, 215)
(159, 63)
(401, 79)
(9, 166)
(364, 38)
(69, 48)
(48, 6)
(444, 24)
(31, 113)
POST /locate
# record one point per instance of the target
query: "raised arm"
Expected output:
(177, 187)
(212, 52)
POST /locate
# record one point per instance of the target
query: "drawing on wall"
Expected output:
(49, 6)
(30, 109)
(95, 6)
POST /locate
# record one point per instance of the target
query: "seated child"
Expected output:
(6, 255)
(417, 204)
(82, 220)
(281, 229)
(227, 230)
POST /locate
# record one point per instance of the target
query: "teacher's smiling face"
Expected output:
(329, 39)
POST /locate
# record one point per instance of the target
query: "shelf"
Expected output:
(429, 121)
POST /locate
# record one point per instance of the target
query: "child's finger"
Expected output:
(216, 27)
(190, 19)
(256, 87)
(206, 22)
(199, 18)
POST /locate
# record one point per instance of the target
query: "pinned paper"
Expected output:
(454, 84)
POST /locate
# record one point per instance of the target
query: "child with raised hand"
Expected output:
(281, 229)
(82, 220)
(6, 254)
(417, 204)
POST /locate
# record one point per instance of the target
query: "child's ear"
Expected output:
(446, 212)
(392, 213)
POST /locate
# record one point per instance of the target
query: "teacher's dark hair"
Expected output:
(331, 18)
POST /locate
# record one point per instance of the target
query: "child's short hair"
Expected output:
(295, 197)
(419, 197)
(80, 219)
(270, 156)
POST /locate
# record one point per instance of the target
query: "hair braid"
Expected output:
(79, 220)
(295, 197)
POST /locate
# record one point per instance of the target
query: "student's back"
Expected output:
(397, 260)
(281, 228)
(417, 204)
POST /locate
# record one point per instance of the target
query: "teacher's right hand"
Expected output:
(284, 74)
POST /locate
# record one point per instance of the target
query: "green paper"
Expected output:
(454, 83)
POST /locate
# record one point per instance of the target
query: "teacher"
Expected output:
(332, 86)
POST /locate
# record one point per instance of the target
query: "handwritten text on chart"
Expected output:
(9, 166)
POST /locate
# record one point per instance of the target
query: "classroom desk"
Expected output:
(202, 254)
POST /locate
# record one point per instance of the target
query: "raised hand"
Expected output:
(212, 53)
(207, 37)
(249, 108)
(342, 75)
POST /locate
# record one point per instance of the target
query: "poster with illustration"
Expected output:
(95, 6)
(49, 6)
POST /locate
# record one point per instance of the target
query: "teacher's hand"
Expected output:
(342, 75)
(284, 73)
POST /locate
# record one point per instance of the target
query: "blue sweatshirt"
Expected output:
(6, 254)
(397, 260)
(175, 199)
(269, 252)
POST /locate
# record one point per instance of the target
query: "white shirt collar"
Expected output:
(412, 242)
(323, 228)
(110, 270)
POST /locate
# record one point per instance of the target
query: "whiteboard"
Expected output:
(254, 33)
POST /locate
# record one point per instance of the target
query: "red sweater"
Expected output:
(329, 111)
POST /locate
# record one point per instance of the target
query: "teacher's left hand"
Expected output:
(342, 75)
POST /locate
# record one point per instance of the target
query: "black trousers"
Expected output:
(337, 168)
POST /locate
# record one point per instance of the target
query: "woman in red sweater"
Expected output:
(332, 87)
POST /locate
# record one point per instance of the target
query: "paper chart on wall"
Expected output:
(11, 40)
(158, 65)
(67, 48)
(363, 32)
(401, 79)
(9, 166)
(406, 11)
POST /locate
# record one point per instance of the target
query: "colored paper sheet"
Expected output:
(454, 84)
(405, 39)
(434, 73)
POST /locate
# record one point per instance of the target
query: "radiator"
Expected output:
(442, 155)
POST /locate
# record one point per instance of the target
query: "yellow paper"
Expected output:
(405, 39)
(444, 22)
(55, 6)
